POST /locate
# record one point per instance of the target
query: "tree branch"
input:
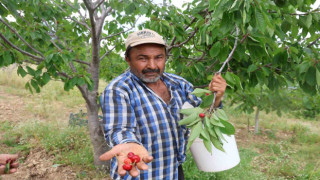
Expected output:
(110, 36)
(314, 42)
(107, 53)
(184, 42)
(174, 38)
(297, 14)
(244, 38)
(81, 62)
(225, 62)
(81, 23)
(21, 38)
(198, 59)
(232, 52)
(72, 67)
(97, 4)
(36, 58)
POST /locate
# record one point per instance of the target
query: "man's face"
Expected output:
(147, 61)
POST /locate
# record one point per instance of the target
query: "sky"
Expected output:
(179, 3)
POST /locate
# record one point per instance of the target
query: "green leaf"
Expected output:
(35, 85)
(190, 111)
(303, 67)
(27, 86)
(21, 71)
(318, 77)
(229, 79)
(228, 128)
(212, 5)
(309, 21)
(7, 58)
(311, 76)
(260, 21)
(190, 125)
(285, 26)
(217, 144)
(7, 168)
(130, 8)
(205, 134)
(199, 92)
(200, 68)
(207, 100)
(189, 119)
(215, 121)
(89, 82)
(218, 133)
(215, 49)
(3, 11)
(221, 114)
(31, 71)
(45, 78)
(252, 68)
(237, 81)
(195, 131)
(208, 145)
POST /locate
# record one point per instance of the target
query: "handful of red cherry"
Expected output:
(131, 159)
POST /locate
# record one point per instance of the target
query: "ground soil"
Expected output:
(37, 164)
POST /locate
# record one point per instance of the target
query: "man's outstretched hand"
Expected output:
(8, 163)
(121, 151)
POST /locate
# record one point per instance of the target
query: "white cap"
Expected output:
(143, 37)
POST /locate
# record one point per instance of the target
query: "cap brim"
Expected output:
(146, 42)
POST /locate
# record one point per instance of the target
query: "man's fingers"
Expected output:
(147, 158)
(121, 171)
(142, 166)
(2, 168)
(13, 156)
(13, 170)
(14, 165)
(134, 172)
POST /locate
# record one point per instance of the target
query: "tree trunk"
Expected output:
(96, 134)
(256, 127)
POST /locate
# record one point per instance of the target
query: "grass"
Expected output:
(285, 148)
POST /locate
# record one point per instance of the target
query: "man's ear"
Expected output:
(127, 59)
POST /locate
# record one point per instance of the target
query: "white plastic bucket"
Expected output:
(218, 160)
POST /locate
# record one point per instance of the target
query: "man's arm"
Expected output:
(120, 131)
(118, 118)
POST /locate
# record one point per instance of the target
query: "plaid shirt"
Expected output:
(132, 112)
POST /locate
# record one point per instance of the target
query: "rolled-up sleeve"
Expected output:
(118, 118)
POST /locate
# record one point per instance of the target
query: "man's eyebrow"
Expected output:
(143, 55)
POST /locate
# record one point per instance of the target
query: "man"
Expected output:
(141, 112)
(4, 158)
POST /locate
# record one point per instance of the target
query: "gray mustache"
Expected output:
(150, 71)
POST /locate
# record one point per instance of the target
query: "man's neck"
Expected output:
(154, 85)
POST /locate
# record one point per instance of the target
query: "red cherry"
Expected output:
(9, 161)
(130, 155)
(135, 159)
(127, 161)
(202, 115)
(207, 94)
(127, 167)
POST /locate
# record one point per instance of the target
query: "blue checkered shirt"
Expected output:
(132, 112)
